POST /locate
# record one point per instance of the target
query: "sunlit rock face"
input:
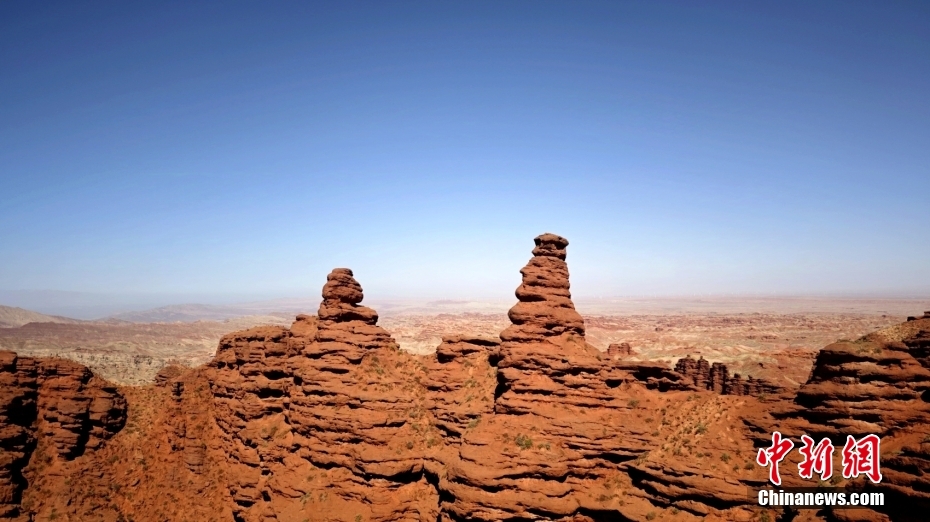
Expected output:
(57, 403)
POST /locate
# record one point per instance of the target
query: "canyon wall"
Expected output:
(54, 403)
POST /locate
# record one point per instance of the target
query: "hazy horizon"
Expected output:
(89, 306)
(189, 151)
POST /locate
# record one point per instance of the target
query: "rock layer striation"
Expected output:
(51, 402)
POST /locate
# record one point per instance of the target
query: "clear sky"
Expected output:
(246, 148)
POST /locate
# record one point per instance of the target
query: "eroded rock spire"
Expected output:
(545, 307)
(343, 319)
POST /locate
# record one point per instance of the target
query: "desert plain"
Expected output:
(770, 337)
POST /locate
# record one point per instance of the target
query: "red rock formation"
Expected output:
(328, 413)
(167, 463)
(250, 383)
(620, 350)
(696, 371)
(18, 391)
(545, 307)
(879, 384)
(558, 408)
(52, 402)
(329, 420)
(654, 376)
(168, 373)
(716, 377)
(460, 381)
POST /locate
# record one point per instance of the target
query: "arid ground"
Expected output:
(774, 338)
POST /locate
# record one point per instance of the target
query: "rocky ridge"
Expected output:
(329, 420)
(716, 377)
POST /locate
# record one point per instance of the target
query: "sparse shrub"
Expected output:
(764, 517)
(358, 518)
(633, 403)
(474, 422)
(409, 444)
(651, 515)
(747, 466)
(725, 457)
(523, 441)
(701, 429)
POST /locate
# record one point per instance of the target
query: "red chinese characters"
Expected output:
(860, 457)
(819, 458)
(773, 455)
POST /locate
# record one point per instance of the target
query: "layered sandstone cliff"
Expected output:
(325, 416)
(53, 403)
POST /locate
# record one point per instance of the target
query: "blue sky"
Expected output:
(243, 149)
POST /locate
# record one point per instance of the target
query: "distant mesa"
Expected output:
(13, 317)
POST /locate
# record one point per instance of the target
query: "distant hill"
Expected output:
(200, 312)
(183, 313)
(289, 307)
(12, 317)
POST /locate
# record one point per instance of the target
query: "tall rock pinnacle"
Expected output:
(343, 319)
(341, 297)
(545, 307)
